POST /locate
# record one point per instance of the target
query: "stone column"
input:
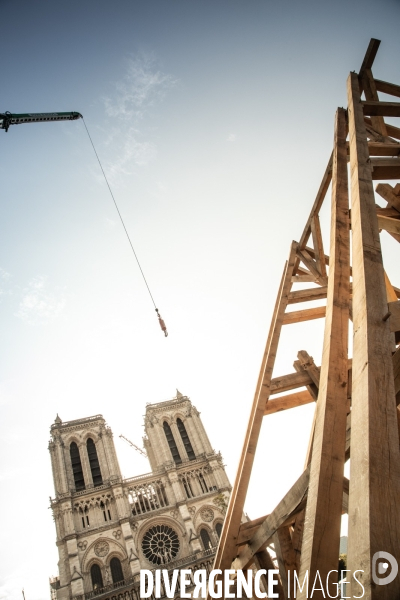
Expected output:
(201, 431)
(87, 473)
(109, 459)
(75, 568)
(120, 503)
(113, 454)
(193, 436)
(65, 459)
(68, 519)
(131, 550)
(159, 442)
(104, 469)
(59, 460)
(193, 540)
(176, 486)
(178, 441)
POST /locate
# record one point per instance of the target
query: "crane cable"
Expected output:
(160, 320)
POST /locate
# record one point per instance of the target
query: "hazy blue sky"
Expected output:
(214, 122)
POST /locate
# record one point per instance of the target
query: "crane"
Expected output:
(7, 118)
(140, 450)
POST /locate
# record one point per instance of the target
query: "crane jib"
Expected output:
(7, 119)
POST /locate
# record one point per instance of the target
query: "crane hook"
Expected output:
(162, 324)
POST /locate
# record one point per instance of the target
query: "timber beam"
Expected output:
(357, 401)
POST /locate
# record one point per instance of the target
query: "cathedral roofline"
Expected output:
(58, 424)
(155, 405)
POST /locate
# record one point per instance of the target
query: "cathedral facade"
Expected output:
(108, 528)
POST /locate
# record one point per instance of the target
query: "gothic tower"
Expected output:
(109, 528)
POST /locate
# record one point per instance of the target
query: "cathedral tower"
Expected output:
(109, 528)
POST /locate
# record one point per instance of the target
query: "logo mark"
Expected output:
(383, 566)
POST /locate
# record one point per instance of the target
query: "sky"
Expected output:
(214, 123)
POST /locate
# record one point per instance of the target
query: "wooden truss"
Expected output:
(356, 399)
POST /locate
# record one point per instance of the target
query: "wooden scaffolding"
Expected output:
(356, 400)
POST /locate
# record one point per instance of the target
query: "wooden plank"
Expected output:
(297, 537)
(387, 88)
(321, 536)
(313, 386)
(308, 314)
(310, 263)
(289, 382)
(374, 136)
(380, 172)
(263, 560)
(286, 559)
(286, 507)
(393, 131)
(369, 57)
(384, 109)
(307, 363)
(374, 518)
(308, 294)
(318, 245)
(387, 212)
(391, 295)
(302, 271)
(345, 501)
(371, 94)
(394, 319)
(227, 546)
(388, 224)
(396, 371)
(247, 530)
(288, 401)
(384, 161)
(387, 192)
(323, 188)
(382, 149)
(311, 252)
(303, 278)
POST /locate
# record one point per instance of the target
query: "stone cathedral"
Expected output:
(108, 528)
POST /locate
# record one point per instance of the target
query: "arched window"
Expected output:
(97, 579)
(185, 439)
(171, 443)
(106, 511)
(218, 529)
(76, 467)
(205, 538)
(116, 570)
(202, 483)
(94, 462)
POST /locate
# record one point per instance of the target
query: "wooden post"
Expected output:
(227, 550)
(286, 557)
(321, 537)
(374, 507)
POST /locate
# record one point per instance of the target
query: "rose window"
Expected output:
(160, 544)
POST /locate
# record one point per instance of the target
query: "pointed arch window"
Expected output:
(106, 511)
(116, 570)
(185, 439)
(94, 462)
(205, 538)
(218, 529)
(172, 444)
(76, 467)
(97, 578)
